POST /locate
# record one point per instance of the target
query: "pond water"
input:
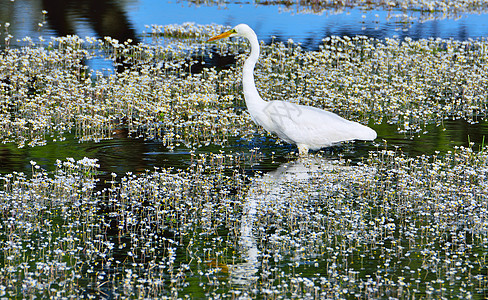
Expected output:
(307, 24)
(123, 154)
(145, 181)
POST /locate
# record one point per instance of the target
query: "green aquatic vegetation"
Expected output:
(47, 91)
(391, 225)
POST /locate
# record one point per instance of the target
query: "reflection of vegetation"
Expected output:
(422, 10)
(423, 5)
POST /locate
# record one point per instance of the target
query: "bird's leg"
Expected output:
(302, 149)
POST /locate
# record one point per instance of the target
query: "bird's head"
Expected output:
(241, 30)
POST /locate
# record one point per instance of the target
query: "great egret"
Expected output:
(307, 127)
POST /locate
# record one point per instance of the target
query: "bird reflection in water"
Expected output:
(264, 196)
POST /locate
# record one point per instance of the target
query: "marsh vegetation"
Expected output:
(383, 224)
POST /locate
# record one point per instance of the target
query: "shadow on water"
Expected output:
(107, 18)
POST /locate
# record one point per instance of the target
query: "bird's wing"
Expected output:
(313, 126)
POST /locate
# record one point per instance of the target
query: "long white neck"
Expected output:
(254, 102)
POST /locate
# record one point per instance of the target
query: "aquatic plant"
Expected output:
(387, 225)
(313, 228)
(48, 89)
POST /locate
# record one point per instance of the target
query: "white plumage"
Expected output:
(307, 127)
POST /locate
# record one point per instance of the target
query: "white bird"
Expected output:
(307, 127)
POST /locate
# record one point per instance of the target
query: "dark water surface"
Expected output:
(305, 24)
(124, 154)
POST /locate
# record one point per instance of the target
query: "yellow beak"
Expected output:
(222, 35)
